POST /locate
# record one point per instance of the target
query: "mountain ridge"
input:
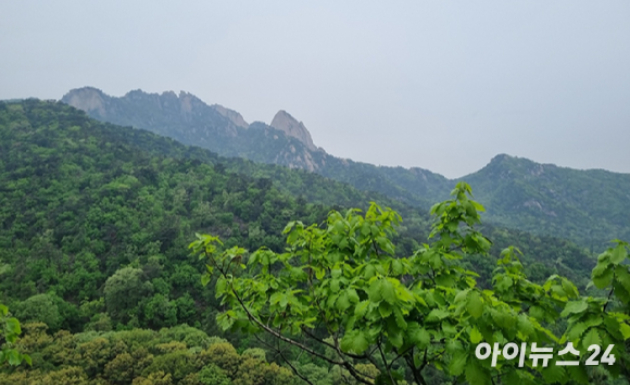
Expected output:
(518, 193)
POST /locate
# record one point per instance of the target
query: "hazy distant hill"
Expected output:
(584, 205)
(588, 207)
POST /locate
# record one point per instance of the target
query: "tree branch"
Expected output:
(417, 375)
(279, 352)
(387, 367)
(358, 376)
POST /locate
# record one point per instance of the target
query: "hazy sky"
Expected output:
(442, 85)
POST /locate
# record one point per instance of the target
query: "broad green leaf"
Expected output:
(553, 373)
(461, 296)
(570, 288)
(330, 302)
(525, 326)
(418, 335)
(400, 319)
(369, 271)
(574, 307)
(396, 337)
(205, 279)
(504, 283)
(388, 291)
(458, 363)
(453, 346)
(275, 298)
(478, 206)
(397, 267)
(343, 302)
(12, 326)
(511, 377)
(354, 341)
(352, 295)
(385, 309)
(226, 319)
(593, 320)
(14, 357)
(618, 254)
(474, 305)
(537, 312)
(600, 269)
(576, 331)
(623, 276)
(591, 338)
(361, 308)
(604, 279)
(375, 292)
(448, 329)
(476, 374)
(625, 330)
(437, 315)
(220, 287)
(475, 336)
(578, 374)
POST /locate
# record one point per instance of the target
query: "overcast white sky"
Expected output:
(442, 85)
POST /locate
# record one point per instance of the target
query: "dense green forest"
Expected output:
(585, 206)
(95, 221)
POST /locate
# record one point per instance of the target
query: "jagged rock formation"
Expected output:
(88, 99)
(186, 118)
(286, 123)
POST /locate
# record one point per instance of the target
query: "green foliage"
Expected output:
(86, 215)
(213, 375)
(40, 307)
(604, 321)
(346, 283)
(9, 331)
(123, 291)
(81, 202)
(94, 221)
(181, 355)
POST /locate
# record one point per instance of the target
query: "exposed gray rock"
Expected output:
(286, 123)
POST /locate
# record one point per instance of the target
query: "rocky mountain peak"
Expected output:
(233, 116)
(501, 158)
(286, 123)
(88, 99)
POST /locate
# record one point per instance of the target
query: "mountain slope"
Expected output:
(190, 121)
(587, 207)
(584, 205)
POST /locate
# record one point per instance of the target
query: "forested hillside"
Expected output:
(585, 206)
(95, 220)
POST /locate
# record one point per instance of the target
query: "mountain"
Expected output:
(587, 207)
(584, 205)
(286, 123)
(285, 142)
(187, 119)
(86, 204)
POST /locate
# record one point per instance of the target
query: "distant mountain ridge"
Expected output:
(587, 207)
